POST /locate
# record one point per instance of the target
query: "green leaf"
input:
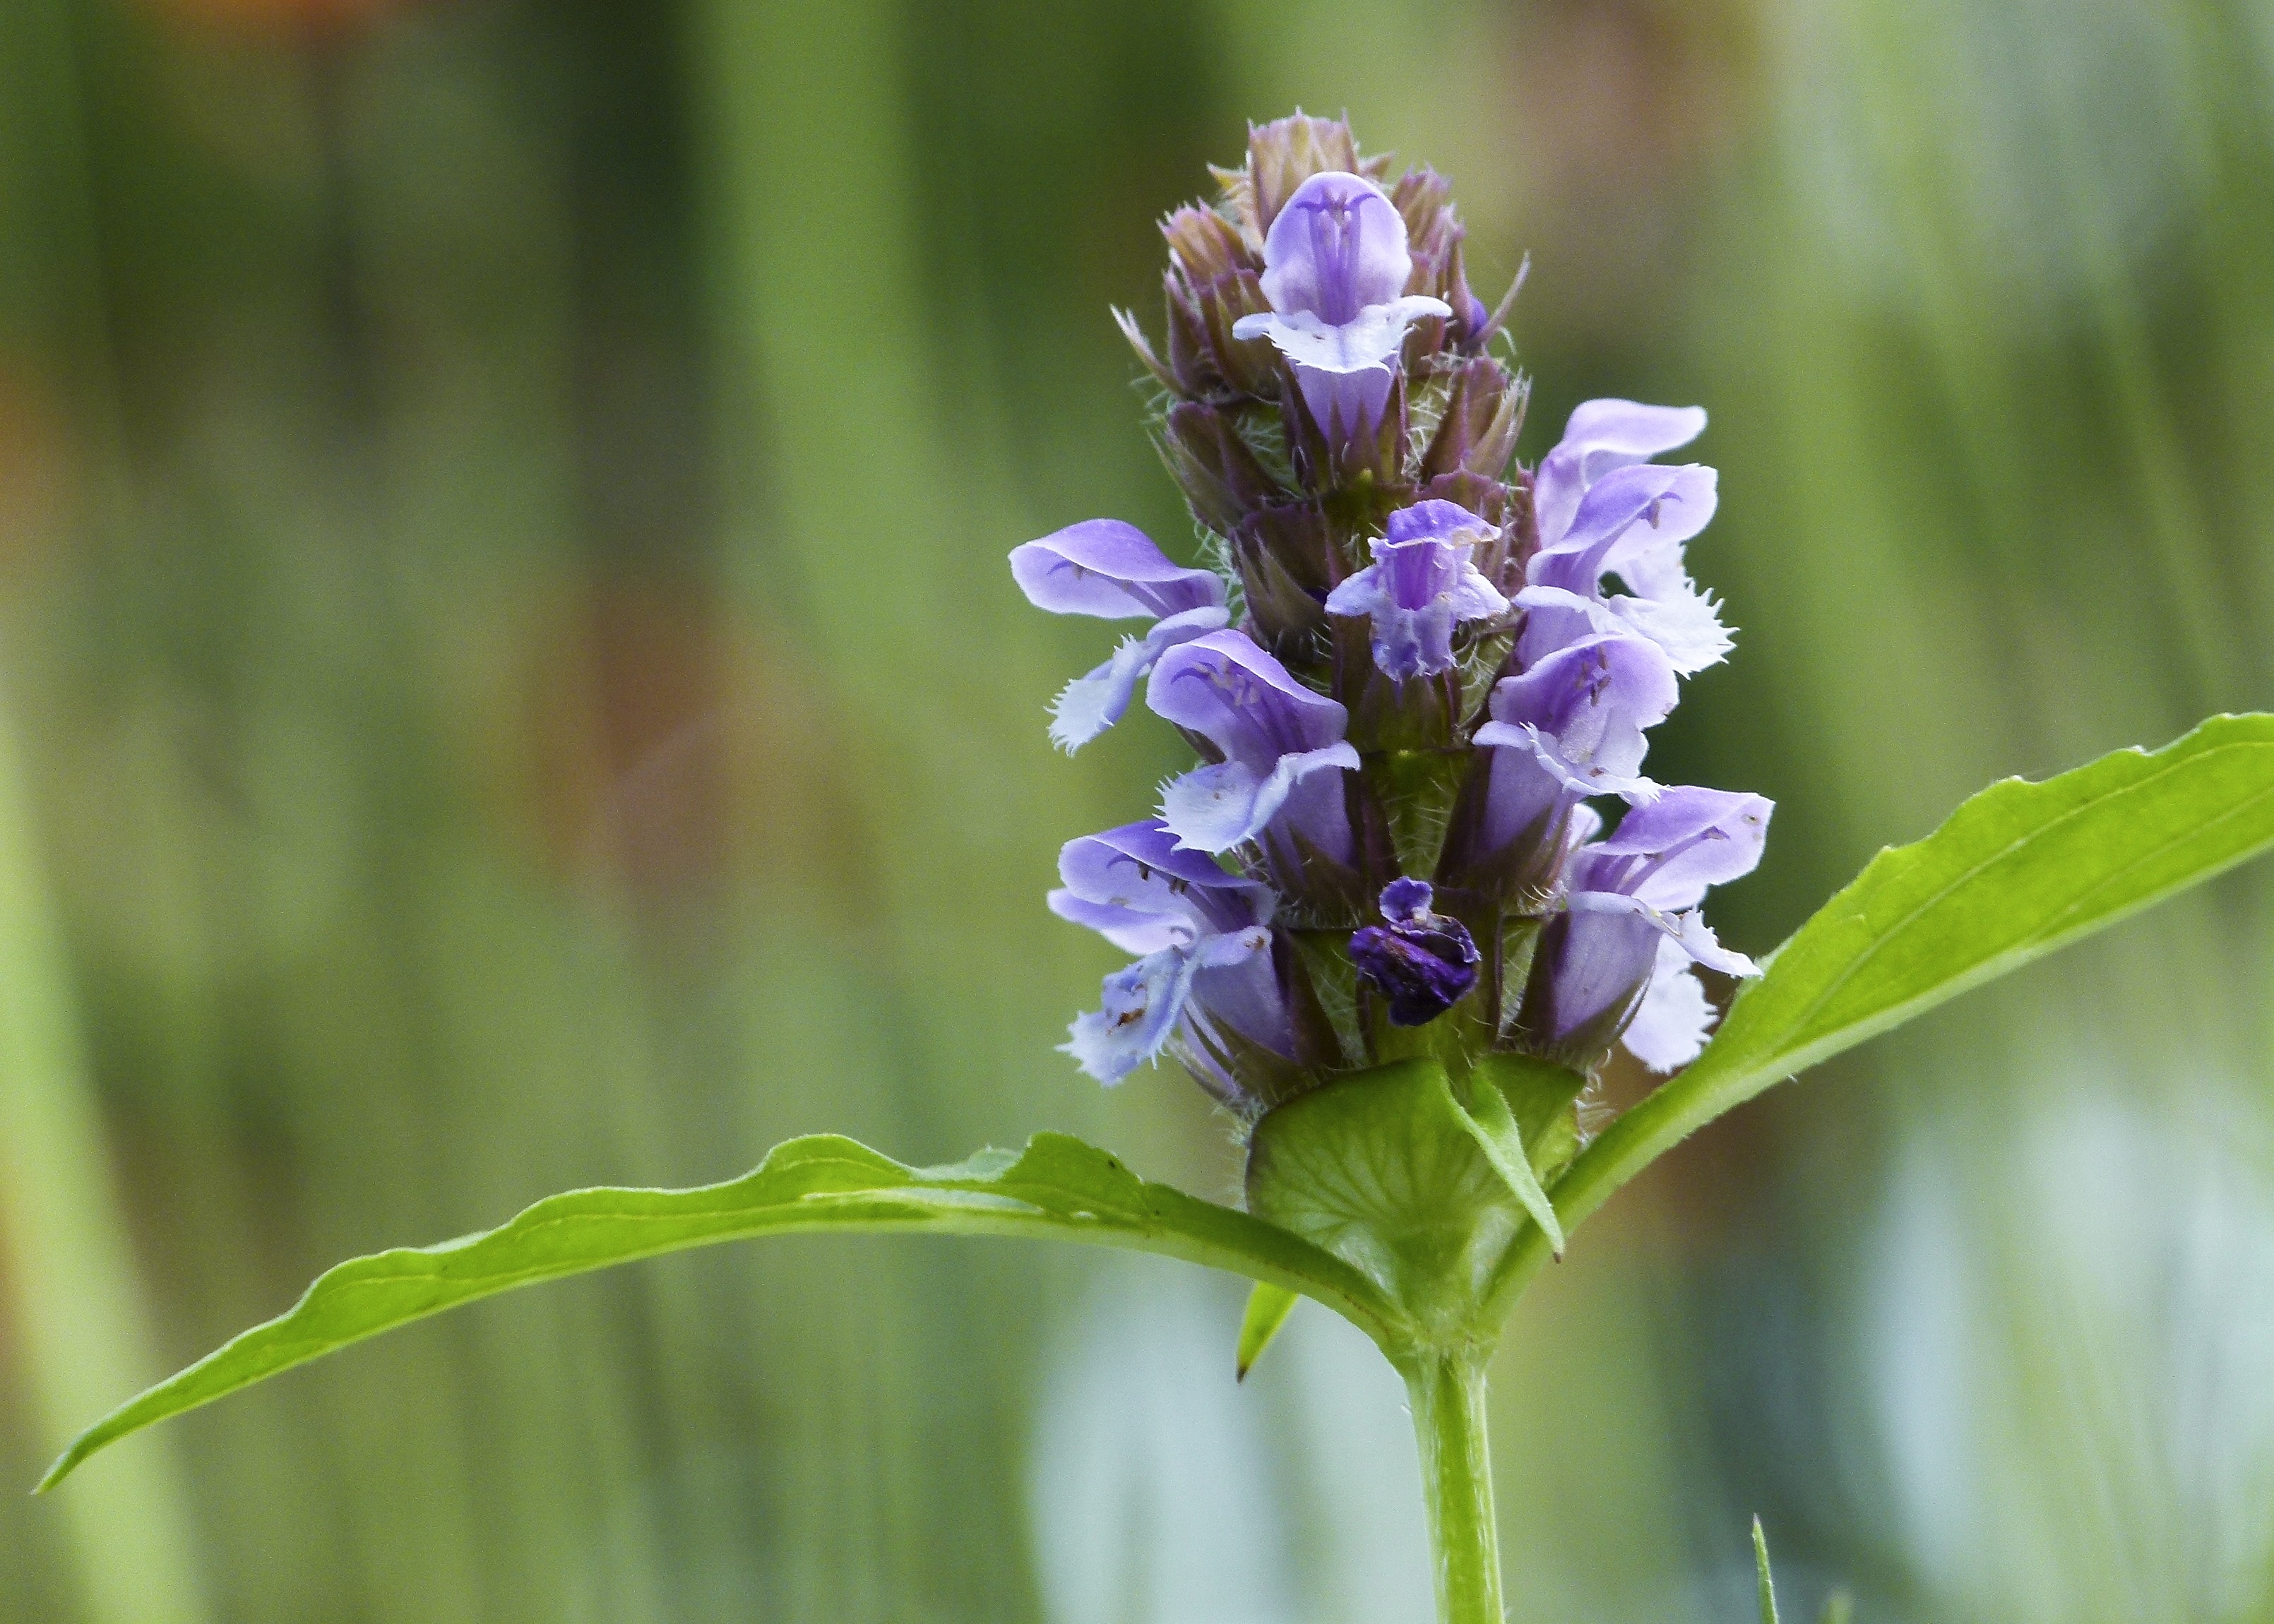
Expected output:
(1268, 1308)
(1761, 1566)
(1493, 1126)
(1057, 1188)
(2017, 871)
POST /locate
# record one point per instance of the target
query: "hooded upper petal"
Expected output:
(1668, 852)
(1139, 870)
(1110, 569)
(1602, 436)
(1582, 712)
(1337, 246)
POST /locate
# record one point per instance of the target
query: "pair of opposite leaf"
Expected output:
(2018, 871)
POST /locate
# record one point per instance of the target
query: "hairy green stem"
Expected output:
(1446, 1394)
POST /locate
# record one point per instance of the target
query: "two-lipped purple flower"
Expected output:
(1205, 940)
(1632, 928)
(1336, 266)
(1603, 509)
(1419, 587)
(1281, 749)
(1113, 571)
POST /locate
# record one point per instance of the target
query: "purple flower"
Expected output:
(1420, 586)
(1569, 727)
(1600, 436)
(1282, 746)
(1603, 510)
(1335, 265)
(1112, 570)
(1424, 961)
(1632, 928)
(1206, 940)
(1581, 711)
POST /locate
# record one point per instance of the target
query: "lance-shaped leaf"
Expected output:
(1268, 1308)
(2017, 871)
(1057, 1188)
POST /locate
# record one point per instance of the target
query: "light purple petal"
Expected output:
(1521, 795)
(1555, 619)
(1598, 963)
(1336, 245)
(1215, 807)
(1582, 712)
(1139, 1009)
(1669, 851)
(1087, 706)
(1228, 690)
(1436, 520)
(1368, 342)
(1126, 928)
(1112, 570)
(1669, 609)
(1139, 867)
(1687, 927)
(1670, 1024)
(1346, 406)
(1601, 436)
(1674, 503)
(1238, 987)
(1344, 371)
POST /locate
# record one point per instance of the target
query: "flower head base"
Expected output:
(1424, 962)
(1421, 681)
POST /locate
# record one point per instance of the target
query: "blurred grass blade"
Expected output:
(1056, 1188)
(1838, 1608)
(1268, 1308)
(1761, 1566)
(69, 1288)
(2017, 871)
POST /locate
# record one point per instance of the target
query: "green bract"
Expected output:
(1391, 1195)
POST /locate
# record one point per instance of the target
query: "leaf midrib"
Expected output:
(1801, 1022)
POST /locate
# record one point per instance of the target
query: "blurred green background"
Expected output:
(510, 681)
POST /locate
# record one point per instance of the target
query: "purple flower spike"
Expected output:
(1425, 962)
(1112, 570)
(1281, 742)
(1581, 714)
(1420, 586)
(1335, 265)
(1205, 939)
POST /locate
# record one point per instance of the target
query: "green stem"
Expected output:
(1446, 1394)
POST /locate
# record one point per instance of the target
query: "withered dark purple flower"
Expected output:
(1424, 963)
